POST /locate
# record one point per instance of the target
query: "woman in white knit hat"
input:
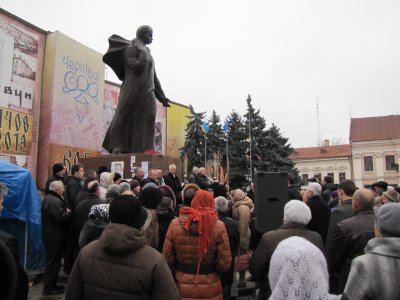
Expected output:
(298, 270)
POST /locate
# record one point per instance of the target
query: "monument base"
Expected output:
(126, 163)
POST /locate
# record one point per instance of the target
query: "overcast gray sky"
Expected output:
(286, 54)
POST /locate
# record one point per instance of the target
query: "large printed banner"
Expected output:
(15, 132)
(18, 61)
(68, 155)
(77, 93)
(21, 68)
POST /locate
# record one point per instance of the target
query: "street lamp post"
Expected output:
(251, 161)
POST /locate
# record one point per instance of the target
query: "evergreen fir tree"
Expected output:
(238, 147)
(270, 150)
(215, 137)
(259, 137)
(193, 148)
(277, 155)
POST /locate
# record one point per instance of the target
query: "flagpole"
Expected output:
(227, 155)
(251, 160)
(205, 129)
(205, 151)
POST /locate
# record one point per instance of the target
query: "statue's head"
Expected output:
(145, 34)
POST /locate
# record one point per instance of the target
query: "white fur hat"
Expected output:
(296, 211)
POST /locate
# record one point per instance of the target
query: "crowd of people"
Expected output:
(331, 244)
(161, 238)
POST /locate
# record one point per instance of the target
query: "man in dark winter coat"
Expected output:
(151, 177)
(139, 176)
(375, 274)
(192, 177)
(328, 188)
(73, 185)
(296, 216)
(352, 235)
(59, 171)
(72, 188)
(83, 193)
(55, 230)
(12, 287)
(81, 214)
(346, 190)
(293, 191)
(120, 265)
(320, 211)
(201, 179)
(222, 208)
(173, 181)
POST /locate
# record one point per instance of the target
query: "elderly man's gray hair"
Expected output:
(123, 187)
(56, 185)
(221, 204)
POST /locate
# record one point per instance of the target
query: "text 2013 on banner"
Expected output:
(15, 132)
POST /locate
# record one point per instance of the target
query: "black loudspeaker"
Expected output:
(271, 195)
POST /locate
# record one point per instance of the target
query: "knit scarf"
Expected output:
(202, 211)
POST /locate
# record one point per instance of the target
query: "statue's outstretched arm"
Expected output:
(159, 92)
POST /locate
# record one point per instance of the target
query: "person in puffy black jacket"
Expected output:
(55, 231)
(222, 208)
(165, 215)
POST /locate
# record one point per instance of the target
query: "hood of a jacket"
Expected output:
(121, 239)
(105, 179)
(387, 246)
(246, 201)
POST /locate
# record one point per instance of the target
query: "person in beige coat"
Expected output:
(242, 208)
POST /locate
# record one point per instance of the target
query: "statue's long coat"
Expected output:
(132, 127)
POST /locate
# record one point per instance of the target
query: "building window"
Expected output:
(332, 175)
(342, 176)
(368, 164)
(305, 178)
(390, 163)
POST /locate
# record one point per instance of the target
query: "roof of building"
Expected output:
(22, 21)
(321, 152)
(374, 128)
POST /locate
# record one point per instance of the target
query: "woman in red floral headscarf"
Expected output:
(197, 249)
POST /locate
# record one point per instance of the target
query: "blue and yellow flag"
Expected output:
(205, 127)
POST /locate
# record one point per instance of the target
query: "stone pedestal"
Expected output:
(141, 159)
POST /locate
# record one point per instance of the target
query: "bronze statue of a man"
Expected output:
(132, 127)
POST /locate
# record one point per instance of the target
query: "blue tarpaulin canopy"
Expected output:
(21, 215)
